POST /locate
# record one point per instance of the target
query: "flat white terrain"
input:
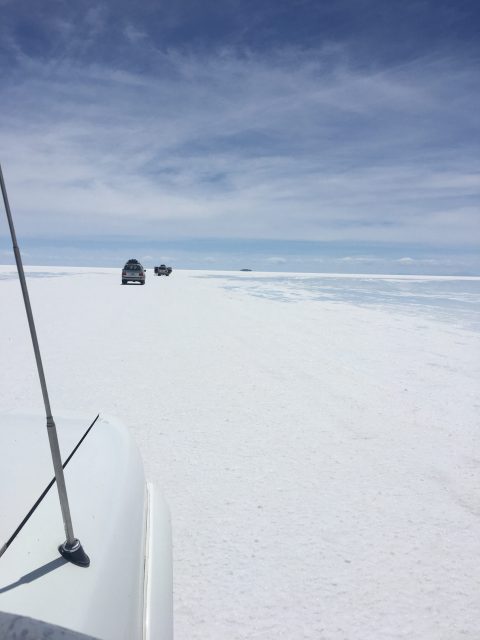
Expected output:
(316, 437)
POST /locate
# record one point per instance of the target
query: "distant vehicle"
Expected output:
(245, 269)
(133, 271)
(162, 270)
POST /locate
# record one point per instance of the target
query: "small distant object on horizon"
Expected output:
(162, 270)
(245, 269)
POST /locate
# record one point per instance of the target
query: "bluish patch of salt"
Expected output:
(452, 300)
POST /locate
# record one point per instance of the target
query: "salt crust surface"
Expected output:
(320, 456)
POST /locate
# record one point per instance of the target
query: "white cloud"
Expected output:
(276, 260)
(360, 259)
(422, 261)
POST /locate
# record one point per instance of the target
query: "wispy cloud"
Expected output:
(241, 147)
(286, 143)
(134, 35)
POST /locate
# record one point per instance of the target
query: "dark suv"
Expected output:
(133, 272)
(162, 270)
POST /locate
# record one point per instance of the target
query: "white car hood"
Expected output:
(107, 495)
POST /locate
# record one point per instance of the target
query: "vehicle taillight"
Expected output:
(141, 273)
(124, 273)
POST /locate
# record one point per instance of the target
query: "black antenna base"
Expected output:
(74, 553)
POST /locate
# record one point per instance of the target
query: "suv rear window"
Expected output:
(133, 267)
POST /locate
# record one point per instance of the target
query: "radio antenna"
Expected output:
(71, 549)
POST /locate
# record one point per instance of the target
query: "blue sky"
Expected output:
(299, 135)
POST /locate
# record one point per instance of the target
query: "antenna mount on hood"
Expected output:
(71, 549)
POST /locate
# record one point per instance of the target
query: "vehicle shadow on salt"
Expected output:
(35, 574)
(447, 300)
